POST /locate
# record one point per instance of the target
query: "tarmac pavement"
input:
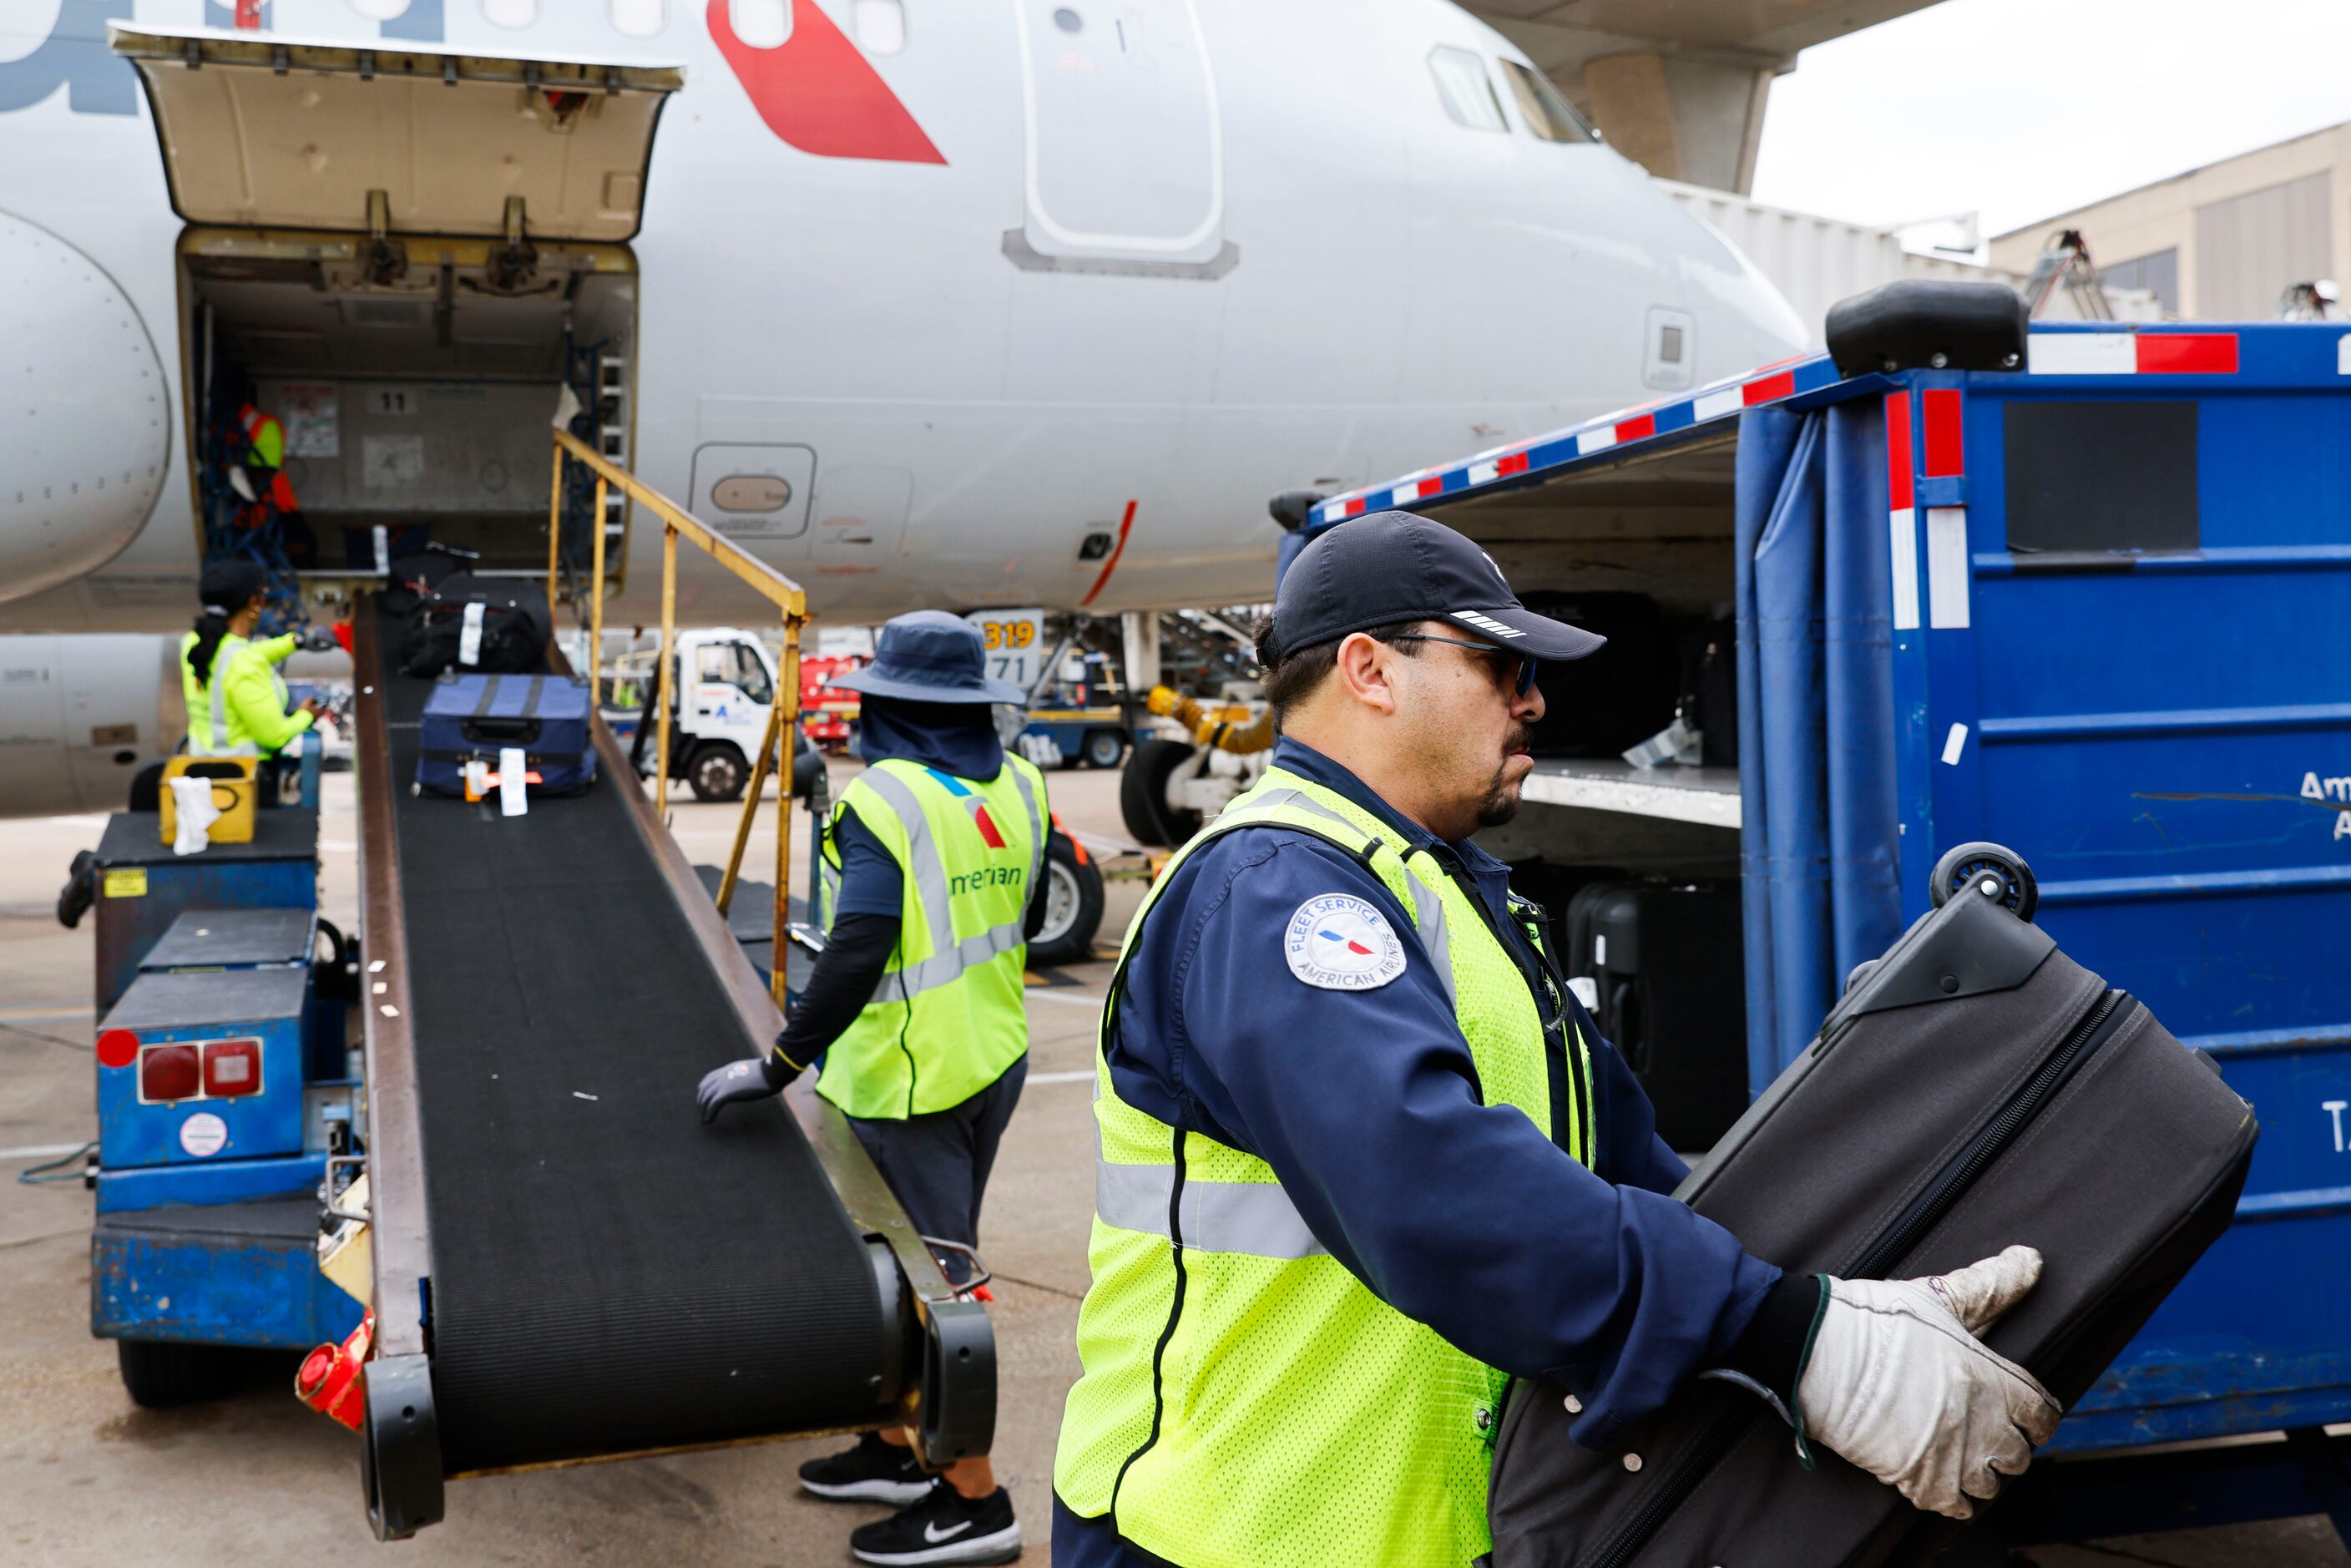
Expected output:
(87, 1477)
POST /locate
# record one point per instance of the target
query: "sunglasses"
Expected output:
(1524, 678)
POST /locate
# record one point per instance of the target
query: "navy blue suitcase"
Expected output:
(472, 719)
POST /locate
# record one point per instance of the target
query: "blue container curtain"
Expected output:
(1819, 862)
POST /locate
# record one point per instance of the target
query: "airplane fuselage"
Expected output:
(1012, 286)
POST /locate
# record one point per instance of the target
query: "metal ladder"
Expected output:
(2065, 263)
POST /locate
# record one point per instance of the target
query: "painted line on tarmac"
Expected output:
(50, 1011)
(1048, 994)
(51, 1150)
(1087, 1076)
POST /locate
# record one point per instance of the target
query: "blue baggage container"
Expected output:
(475, 718)
(2089, 608)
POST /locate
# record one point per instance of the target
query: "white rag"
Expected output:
(193, 814)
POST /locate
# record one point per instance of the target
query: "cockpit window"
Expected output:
(1466, 91)
(1547, 114)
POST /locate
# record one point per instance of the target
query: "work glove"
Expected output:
(319, 640)
(1896, 1382)
(753, 1078)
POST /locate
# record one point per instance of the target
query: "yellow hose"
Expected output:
(1227, 726)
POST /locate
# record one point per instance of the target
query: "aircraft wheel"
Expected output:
(1143, 794)
(1073, 905)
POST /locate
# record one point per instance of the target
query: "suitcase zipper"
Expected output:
(1922, 1216)
(1927, 1210)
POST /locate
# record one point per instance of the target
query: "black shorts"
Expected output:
(937, 1164)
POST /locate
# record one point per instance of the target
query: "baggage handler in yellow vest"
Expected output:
(236, 697)
(1363, 1158)
(933, 864)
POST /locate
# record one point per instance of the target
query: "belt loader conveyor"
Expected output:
(569, 1265)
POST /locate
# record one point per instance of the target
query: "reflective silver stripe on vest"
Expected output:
(219, 686)
(1255, 1218)
(1428, 908)
(949, 958)
(1036, 829)
(1428, 914)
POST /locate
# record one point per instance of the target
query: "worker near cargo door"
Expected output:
(933, 864)
(1364, 1158)
(257, 474)
(236, 699)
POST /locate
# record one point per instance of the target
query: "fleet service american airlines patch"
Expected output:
(1340, 942)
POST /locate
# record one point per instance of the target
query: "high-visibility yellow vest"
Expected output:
(948, 1015)
(241, 711)
(1246, 1401)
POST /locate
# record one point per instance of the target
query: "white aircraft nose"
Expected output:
(85, 420)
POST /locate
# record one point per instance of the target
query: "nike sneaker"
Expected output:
(944, 1527)
(873, 1471)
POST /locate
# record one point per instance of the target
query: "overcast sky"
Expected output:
(2023, 109)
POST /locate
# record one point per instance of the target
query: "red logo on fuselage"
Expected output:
(817, 92)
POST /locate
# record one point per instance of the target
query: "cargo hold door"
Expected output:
(266, 131)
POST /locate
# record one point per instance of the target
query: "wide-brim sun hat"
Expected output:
(930, 656)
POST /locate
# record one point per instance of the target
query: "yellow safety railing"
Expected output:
(783, 714)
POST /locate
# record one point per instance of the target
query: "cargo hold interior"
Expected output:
(416, 390)
(1638, 868)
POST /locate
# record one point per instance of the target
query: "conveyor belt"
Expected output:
(608, 1274)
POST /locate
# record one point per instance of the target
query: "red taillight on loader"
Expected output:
(232, 1067)
(169, 1073)
(117, 1048)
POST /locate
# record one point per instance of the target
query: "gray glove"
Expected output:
(1896, 1382)
(753, 1078)
(319, 640)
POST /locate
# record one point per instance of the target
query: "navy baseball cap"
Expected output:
(1388, 567)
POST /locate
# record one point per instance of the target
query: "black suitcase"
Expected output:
(414, 575)
(1973, 1088)
(1669, 991)
(1621, 696)
(1709, 688)
(477, 627)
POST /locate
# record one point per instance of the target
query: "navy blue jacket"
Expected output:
(1365, 1103)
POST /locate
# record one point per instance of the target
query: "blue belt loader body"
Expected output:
(223, 1087)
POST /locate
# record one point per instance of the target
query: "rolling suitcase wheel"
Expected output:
(1999, 875)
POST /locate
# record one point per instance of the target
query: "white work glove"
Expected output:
(1897, 1383)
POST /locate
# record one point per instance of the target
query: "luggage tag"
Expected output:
(469, 638)
(513, 764)
(513, 771)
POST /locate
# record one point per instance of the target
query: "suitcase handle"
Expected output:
(1625, 1020)
(492, 731)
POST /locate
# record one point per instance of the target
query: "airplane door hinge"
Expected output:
(386, 257)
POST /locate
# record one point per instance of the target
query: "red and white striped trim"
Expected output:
(1766, 383)
(1410, 490)
(1485, 471)
(2133, 355)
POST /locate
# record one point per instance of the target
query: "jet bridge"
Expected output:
(569, 1266)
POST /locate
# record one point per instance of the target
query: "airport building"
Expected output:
(2222, 242)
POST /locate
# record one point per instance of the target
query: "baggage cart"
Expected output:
(2084, 605)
